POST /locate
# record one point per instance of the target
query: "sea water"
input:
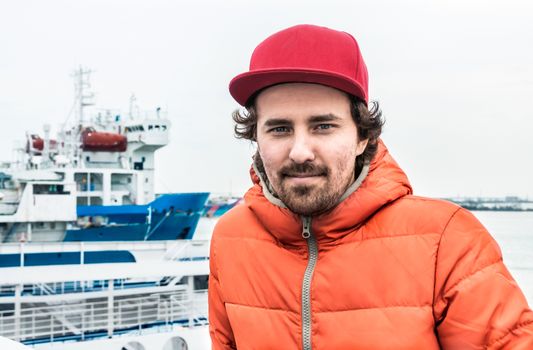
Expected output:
(514, 233)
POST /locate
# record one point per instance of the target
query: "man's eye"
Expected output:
(324, 126)
(279, 129)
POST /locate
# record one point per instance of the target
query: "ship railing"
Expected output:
(45, 289)
(103, 317)
(67, 287)
(63, 287)
(186, 250)
(7, 290)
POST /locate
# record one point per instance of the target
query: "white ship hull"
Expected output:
(164, 339)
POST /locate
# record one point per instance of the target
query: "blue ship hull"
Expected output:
(168, 217)
(67, 258)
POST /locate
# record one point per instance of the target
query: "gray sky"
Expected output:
(454, 79)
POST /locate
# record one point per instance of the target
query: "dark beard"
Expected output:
(301, 200)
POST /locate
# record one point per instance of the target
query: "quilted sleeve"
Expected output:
(219, 326)
(477, 304)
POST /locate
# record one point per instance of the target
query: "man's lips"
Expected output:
(303, 179)
(302, 176)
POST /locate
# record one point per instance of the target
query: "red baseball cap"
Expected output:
(304, 54)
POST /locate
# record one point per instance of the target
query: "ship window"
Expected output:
(96, 180)
(150, 127)
(88, 159)
(163, 127)
(8, 185)
(48, 189)
(200, 282)
(81, 181)
(157, 127)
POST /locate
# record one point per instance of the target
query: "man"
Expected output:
(331, 250)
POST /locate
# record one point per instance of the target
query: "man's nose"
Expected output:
(302, 150)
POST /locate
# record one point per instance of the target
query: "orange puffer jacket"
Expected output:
(382, 270)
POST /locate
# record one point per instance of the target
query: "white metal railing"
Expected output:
(94, 317)
(45, 289)
(63, 287)
(7, 290)
(187, 250)
(179, 249)
(74, 287)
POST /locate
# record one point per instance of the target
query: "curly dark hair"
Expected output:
(369, 123)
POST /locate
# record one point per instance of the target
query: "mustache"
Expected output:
(303, 169)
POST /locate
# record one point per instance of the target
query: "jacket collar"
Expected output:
(379, 183)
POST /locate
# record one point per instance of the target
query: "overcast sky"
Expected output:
(454, 79)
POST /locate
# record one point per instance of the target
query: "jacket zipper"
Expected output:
(312, 248)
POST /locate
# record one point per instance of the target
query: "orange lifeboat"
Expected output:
(37, 144)
(99, 141)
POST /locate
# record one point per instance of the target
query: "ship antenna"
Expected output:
(84, 97)
(134, 109)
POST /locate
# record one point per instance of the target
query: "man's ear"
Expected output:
(361, 146)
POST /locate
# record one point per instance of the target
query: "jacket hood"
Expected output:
(384, 183)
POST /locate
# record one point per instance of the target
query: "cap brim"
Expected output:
(244, 85)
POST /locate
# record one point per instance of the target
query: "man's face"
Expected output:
(307, 141)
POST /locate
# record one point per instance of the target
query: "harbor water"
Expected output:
(514, 233)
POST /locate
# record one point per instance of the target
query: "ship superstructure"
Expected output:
(88, 250)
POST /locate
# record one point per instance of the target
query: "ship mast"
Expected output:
(84, 97)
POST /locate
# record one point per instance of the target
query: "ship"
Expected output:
(90, 256)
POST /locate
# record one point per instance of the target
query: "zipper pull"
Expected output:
(306, 227)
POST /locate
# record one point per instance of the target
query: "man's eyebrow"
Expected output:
(321, 118)
(277, 121)
(324, 118)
